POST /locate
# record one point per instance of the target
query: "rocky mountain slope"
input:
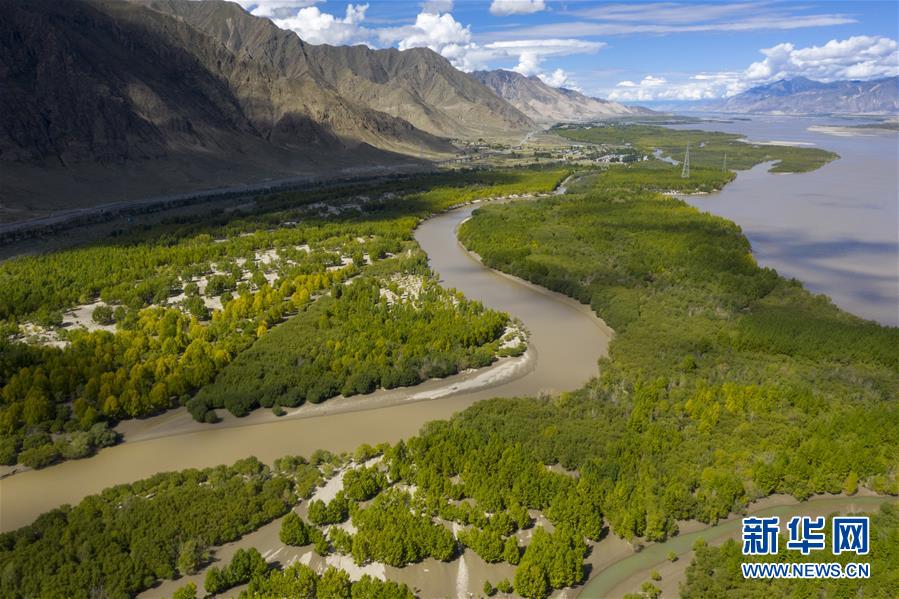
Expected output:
(105, 100)
(804, 96)
(547, 104)
(417, 85)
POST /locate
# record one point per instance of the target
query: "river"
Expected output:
(835, 229)
(566, 341)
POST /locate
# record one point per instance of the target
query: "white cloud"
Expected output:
(697, 87)
(859, 57)
(504, 8)
(317, 27)
(558, 78)
(275, 8)
(437, 6)
(531, 54)
(434, 31)
(443, 34)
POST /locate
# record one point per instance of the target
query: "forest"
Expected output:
(190, 297)
(707, 148)
(706, 354)
(127, 537)
(725, 383)
(355, 341)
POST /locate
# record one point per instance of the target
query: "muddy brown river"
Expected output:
(566, 341)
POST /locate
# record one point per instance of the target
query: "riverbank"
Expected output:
(180, 422)
(834, 228)
(566, 341)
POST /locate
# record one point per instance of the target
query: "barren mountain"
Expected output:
(546, 104)
(804, 96)
(417, 85)
(104, 100)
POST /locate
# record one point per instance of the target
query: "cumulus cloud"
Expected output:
(859, 57)
(531, 54)
(275, 8)
(434, 31)
(516, 7)
(442, 33)
(317, 27)
(558, 78)
(451, 39)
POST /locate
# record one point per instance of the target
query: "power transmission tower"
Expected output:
(725, 162)
(685, 172)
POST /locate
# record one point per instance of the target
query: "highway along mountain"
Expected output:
(106, 101)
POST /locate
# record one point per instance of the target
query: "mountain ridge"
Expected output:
(546, 104)
(110, 100)
(800, 95)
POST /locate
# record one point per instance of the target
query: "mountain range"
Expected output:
(804, 96)
(107, 100)
(546, 104)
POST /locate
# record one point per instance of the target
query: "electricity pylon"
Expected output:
(685, 172)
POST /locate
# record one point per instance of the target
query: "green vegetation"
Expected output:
(725, 383)
(301, 582)
(287, 265)
(296, 532)
(551, 561)
(121, 541)
(245, 564)
(707, 149)
(715, 571)
(712, 396)
(389, 531)
(356, 343)
(334, 512)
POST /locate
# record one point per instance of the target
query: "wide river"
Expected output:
(566, 341)
(835, 229)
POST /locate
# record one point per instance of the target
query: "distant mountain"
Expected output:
(804, 96)
(104, 100)
(546, 104)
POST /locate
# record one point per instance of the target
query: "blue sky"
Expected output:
(629, 51)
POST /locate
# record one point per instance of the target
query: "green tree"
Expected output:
(188, 591)
(294, 531)
(531, 581)
(191, 556)
(334, 584)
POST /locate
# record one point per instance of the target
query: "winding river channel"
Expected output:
(566, 341)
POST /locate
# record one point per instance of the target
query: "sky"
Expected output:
(627, 51)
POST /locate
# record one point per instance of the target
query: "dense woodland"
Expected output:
(121, 541)
(313, 264)
(725, 383)
(711, 351)
(355, 341)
